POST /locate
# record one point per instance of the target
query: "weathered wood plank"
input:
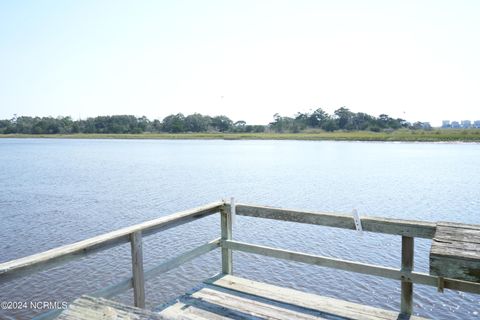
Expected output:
(454, 249)
(90, 308)
(385, 272)
(226, 231)
(138, 280)
(458, 225)
(182, 258)
(406, 301)
(182, 310)
(315, 260)
(325, 305)
(457, 234)
(168, 265)
(50, 258)
(421, 229)
(455, 269)
(246, 305)
(455, 252)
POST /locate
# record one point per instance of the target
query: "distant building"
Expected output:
(426, 125)
(476, 124)
(446, 124)
(455, 124)
(466, 124)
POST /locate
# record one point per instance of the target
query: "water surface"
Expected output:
(55, 192)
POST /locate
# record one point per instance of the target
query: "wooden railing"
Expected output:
(133, 234)
(408, 230)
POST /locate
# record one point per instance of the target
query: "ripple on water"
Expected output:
(61, 191)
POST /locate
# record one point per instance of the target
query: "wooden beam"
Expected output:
(315, 260)
(406, 302)
(455, 252)
(138, 280)
(226, 230)
(50, 258)
(409, 228)
(182, 258)
(380, 271)
(166, 266)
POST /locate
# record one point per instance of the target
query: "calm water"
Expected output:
(55, 192)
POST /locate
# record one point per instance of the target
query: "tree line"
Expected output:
(175, 123)
(341, 119)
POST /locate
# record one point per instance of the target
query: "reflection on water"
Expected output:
(55, 192)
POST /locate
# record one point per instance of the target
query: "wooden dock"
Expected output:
(230, 297)
(455, 251)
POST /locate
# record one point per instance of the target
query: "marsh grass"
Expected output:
(436, 135)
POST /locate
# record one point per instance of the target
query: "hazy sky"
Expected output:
(419, 60)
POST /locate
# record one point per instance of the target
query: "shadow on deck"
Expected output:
(230, 297)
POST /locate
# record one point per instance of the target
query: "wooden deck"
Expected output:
(455, 251)
(230, 297)
(454, 265)
(90, 308)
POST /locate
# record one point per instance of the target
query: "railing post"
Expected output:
(226, 226)
(406, 302)
(137, 269)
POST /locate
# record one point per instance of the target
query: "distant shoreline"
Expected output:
(440, 135)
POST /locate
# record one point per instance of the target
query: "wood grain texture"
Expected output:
(364, 268)
(226, 232)
(230, 297)
(50, 258)
(406, 295)
(455, 252)
(409, 228)
(90, 308)
(168, 265)
(138, 280)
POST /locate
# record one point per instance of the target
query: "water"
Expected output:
(55, 192)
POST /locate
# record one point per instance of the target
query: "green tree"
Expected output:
(330, 125)
(197, 123)
(240, 126)
(317, 118)
(344, 118)
(174, 123)
(222, 123)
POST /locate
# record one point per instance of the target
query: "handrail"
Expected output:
(168, 265)
(60, 255)
(352, 266)
(127, 283)
(407, 229)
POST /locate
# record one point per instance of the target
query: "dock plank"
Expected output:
(90, 308)
(248, 305)
(185, 310)
(340, 308)
(230, 297)
(455, 252)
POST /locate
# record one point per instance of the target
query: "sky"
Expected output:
(418, 60)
